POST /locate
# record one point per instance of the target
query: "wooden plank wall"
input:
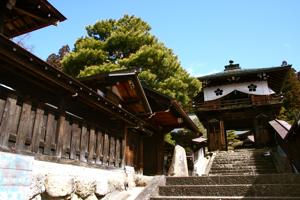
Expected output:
(43, 130)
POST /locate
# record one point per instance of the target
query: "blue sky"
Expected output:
(204, 35)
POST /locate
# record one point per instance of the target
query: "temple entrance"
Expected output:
(249, 127)
(240, 99)
(217, 135)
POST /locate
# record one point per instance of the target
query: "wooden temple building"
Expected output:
(108, 120)
(240, 99)
(161, 112)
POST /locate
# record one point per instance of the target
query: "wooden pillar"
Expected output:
(60, 135)
(255, 131)
(84, 143)
(92, 145)
(160, 153)
(112, 151)
(124, 147)
(222, 141)
(9, 122)
(141, 155)
(37, 129)
(99, 150)
(51, 132)
(106, 149)
(118, 152)
(60, 129)
(23, 128)
(75, 141)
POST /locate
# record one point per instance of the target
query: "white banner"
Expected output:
(256, 88)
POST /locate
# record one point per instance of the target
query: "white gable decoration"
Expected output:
(256, 88)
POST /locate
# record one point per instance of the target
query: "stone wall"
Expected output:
(15, 176)
(22, 177)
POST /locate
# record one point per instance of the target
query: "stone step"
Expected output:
(242, 158)
(223, 161)
(234, 174)
(226, 180)
(223, 197)
(243, 167)
(243, 171)
(214, 168)
(246, 151)
(243, 164)
(243, 153)
(257, 190)
(250, 149)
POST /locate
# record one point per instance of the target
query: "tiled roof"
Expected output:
(243, 72)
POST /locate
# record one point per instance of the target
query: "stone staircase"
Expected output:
(244, 161)
(243, 174)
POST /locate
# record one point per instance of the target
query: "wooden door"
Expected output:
(216, 135)
(134, 151)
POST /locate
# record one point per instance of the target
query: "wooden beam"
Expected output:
(30, 14)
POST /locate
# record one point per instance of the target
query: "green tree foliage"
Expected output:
(232, 140)
(168, 139)
(128, 44)
(231, 136)
(184, 136)
(291, 92)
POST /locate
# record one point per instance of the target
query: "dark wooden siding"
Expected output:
(39, 129)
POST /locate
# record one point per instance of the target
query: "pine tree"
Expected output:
(291, 103)
(128, 44)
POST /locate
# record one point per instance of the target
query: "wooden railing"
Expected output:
(47, 133)
(238, 103)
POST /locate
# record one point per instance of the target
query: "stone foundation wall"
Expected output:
(22, 177)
